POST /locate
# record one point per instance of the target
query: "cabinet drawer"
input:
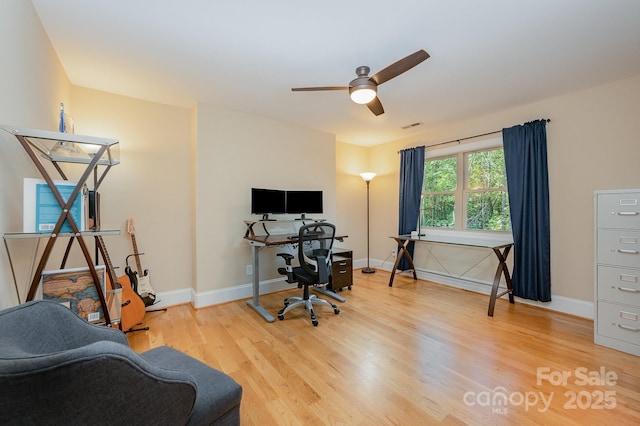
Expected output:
(621, 210)
(341, 262)
(619, 285)
(619, 322)
(619, 247)
(340, 280)
(342, 273)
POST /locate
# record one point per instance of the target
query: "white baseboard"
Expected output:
(171, 298)
(562, 304)
(216, 297)
(243, 291)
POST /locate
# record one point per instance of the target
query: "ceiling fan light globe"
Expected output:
(362, 95)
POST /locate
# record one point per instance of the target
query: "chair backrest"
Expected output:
(56, 368)
(314, 250)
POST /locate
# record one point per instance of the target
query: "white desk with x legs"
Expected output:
(500, 247)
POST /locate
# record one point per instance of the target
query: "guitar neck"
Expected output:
(107, 261)
(137, 255)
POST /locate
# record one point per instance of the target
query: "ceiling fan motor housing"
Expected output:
(362, 90)
(362, 83)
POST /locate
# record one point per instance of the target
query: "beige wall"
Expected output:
(592, 144)
(32, 85)
(237, 151)
(151, 185)
(351, 196)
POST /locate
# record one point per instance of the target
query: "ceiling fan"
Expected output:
(363, 89)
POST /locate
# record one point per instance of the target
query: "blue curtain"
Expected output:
(525, 156)
(411, 177)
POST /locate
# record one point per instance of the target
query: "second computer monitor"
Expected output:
(302, 202)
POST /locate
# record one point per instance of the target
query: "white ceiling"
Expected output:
(486, 55)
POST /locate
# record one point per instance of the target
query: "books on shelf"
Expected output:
(42, 211)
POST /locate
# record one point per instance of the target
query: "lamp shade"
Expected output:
(368, 176)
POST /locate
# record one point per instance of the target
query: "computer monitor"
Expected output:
(267, 201)
(302, 202)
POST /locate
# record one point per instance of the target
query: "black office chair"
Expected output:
(315, 241)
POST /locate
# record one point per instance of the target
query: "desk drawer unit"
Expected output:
(342, 270)
(617, 270)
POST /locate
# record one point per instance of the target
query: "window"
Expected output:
(469, 184)
(439, 192)
(486, 200)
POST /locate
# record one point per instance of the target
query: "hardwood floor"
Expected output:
(417, 353)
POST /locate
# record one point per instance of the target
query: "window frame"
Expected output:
(461, 191)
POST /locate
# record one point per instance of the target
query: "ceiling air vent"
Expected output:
(408, 126)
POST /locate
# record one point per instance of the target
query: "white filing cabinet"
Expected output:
(617, 270)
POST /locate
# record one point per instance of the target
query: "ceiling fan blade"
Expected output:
(398, 67)
(376, 106)
(313, 89)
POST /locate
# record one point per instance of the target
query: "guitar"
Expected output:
(132, 306)
(140, 279)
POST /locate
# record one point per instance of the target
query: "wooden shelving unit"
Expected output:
(98, 155)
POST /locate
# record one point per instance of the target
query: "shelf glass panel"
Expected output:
(67, 147)
(104, 231)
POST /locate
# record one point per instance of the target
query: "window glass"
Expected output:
(479, 195)
(438, 210)
(485, 169)
(438, 194)
(486, 199)
(488, 211)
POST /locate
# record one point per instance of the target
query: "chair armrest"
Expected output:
(287, 257)
(219, 395)
(102, 383)
(288, 270)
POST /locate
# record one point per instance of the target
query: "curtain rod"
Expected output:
(548, 120)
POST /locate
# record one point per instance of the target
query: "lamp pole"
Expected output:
(368, 177)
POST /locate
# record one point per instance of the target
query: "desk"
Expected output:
(501, 249)
(258, 242)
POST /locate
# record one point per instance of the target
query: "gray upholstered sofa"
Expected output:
(55, 368)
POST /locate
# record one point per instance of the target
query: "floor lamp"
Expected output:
(368, 177)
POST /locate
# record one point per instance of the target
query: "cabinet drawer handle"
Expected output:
(626, 327)
(342, 263)
(628, 251)
(627, 289)
(628, 213)
(342, 272)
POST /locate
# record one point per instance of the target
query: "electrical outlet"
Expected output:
(393, 253)
(249, 270)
